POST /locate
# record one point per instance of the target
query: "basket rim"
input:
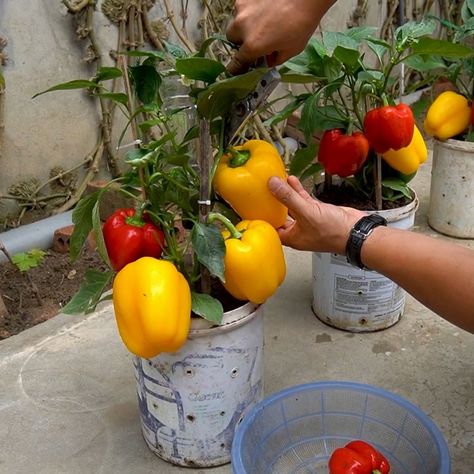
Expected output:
(236, 458)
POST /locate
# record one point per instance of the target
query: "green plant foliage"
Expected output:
(30, 259)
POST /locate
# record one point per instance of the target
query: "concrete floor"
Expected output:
(67, 392)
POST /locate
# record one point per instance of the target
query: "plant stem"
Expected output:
(378, 181)
(215, 216)
(205, 156)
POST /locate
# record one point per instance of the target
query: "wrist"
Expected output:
(358, 234)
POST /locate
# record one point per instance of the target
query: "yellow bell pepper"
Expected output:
(408, 159)
(241, 179)
(152, 303)
(447, 116)
(254, 261)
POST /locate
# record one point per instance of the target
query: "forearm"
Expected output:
(437, 273)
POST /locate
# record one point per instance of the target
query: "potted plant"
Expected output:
(450, 120)
(190, 274)
(369, 150)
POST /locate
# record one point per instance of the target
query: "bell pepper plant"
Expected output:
(201, 224)
(358, 457)
(128, 237)
(354, 86)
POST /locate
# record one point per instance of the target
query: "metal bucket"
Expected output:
(190, 401)
(451, 209)
(358, 300)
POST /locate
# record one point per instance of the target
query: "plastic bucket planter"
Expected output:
(296, 430)
(190, 401)
(451, 209)
(358, 300)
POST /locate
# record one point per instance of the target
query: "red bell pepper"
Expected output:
(128, 237)
(358, 457)
(343, 154)
(389, 127)
(472, 113)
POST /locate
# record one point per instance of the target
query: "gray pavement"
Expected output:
(67, 390)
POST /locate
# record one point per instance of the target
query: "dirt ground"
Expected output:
(57, 280)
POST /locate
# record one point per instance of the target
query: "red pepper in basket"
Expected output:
(389, 127)
(128, 237)
(342, 154)
(358, 457)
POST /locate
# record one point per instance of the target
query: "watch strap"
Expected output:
(359, 232)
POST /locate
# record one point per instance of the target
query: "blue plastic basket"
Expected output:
(297, 429)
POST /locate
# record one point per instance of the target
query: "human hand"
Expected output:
(313, 225)
(274, 29)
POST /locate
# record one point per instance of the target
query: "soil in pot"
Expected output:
(344, 195)
(57, 280)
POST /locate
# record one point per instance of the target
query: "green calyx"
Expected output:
(238, 158)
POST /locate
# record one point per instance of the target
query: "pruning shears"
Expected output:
(245, 108)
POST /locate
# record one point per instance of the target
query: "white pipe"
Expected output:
(37, 235)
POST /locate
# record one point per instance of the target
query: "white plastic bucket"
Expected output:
(451, 209)
(358, 300)
(190, 401)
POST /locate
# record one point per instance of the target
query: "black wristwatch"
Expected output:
(359, 232)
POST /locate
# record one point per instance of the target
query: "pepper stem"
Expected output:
(238, 157)
(136, 220)
(215, 216)
(376, 471)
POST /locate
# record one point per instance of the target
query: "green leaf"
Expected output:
(415, 29)
(218, 98)
(99, 236)
(315, 117)
(379, 47)
(282, 114)
(2, 81)
(138, 156)
(146, 81)
(349, 57)
(115, 96)
(150, 54)
(206, 43)
(333, 39)
(332, 69)
(209, 246)
(361, 32)
(425, 63)
(30, 259)
(76, 84)
(207, 307)
(200, 69)
(446, 49)
(82, 220)
(105, 73)
(311, 170)
(397, 185)
(302, 159)
(86, 299)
